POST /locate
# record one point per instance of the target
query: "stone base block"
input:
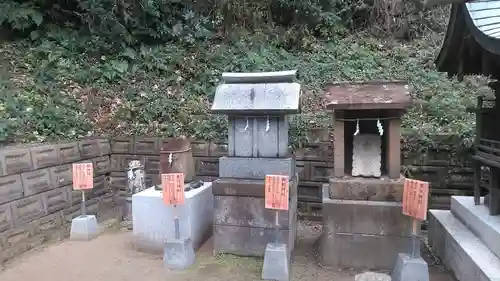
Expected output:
(364, 217)
(179, 254)
(276, 263)
(372, 276)
(251, 212)
(250, 241)
(363, 234)
(361, 251)
(153, 221)
(84, 228)
(373, 189)
(255, 168)
(410, 269)
(247, 187)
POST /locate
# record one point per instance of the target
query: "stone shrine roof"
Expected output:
(260, 94)
(367, 95)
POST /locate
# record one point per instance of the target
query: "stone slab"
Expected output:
(361, 251)
(68, 152)
(250, 241)
(119, 163)
(11, 188)
(89, 148)
(28, 209)
(147, 145)
(251, 212)
(15, 160)
(244, 99)
(356, 188)
(49, 227)
(153, 221)
(122, 145)
(84, 228)
(372, 276)
(255, 168)
(101, 187)
(246, 187)
(44, 156)
(61, 175)
(104, 146)
(179, 254)
(365, 217)
(152, 164)
(206, 166)
(410, 269)
(118, 181)
(276, 263)
(251, 137)
(478, 220)
(35, 182)
(367, 155)
(102, 165)
(6, 221)
(55, 200)
(74, 196)
(460, 250)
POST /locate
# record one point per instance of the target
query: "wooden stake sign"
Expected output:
(173, 188)
(83, 176)
(276, 195)
(415, 198)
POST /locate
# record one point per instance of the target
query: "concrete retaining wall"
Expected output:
(314, 163)
(37, 202)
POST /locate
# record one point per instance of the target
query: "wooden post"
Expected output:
(393, 153)
(494, 204)
(477, 164)
(338, 147)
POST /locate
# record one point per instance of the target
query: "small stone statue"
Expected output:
(135, 175)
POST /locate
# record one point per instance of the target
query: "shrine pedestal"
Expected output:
(242, 224)
(153, 221)
(366, 228)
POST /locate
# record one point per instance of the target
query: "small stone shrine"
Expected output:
(257, 105)
(363, 224)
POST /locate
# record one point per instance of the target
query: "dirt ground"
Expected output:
(111, 257)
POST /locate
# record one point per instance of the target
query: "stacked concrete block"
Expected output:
(37, 202)
(257, 106)
(242, 224)
(363, 227)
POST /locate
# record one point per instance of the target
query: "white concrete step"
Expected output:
(460, 250)
(478, 220)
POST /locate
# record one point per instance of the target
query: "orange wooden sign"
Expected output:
(173, 188)
(415, 198)
(83, 176)
(276, 192)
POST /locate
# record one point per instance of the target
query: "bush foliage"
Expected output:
(92, 67)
